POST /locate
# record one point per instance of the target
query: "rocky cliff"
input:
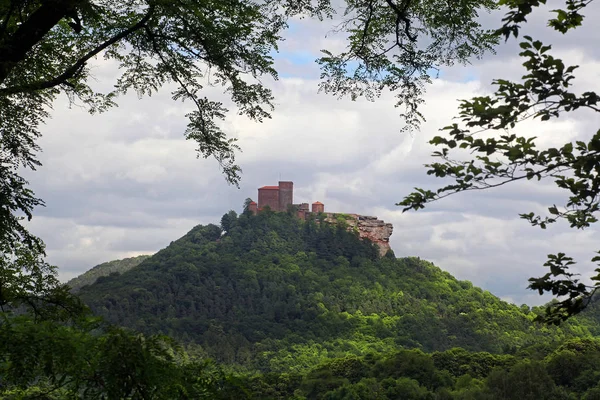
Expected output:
(374, 229)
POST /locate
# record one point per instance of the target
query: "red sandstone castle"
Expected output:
(281, 198)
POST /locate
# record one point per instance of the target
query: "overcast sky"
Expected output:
(126, 182)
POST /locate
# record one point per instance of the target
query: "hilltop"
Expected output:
(273, 292)
(105, 269)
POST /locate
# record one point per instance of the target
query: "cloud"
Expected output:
(127, 182)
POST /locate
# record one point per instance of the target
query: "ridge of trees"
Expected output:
(105, 269)
(275, 293)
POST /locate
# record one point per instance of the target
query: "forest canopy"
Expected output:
(275, 293)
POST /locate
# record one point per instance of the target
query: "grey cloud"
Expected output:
(127, 183)
(141, 241)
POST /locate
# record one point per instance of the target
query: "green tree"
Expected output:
(592, 394)
(228, 221)
(525, 380)
(45, 50)
(501, 157)
(246, 207)
(564, 367)
(105, 269)
(29, 284)
(406, 388)
(51, 348)
(54, 361)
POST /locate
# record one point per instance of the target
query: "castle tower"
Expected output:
(268, 196)
(318, 207)
(286, 195)
(253, 207)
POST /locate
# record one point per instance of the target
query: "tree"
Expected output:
(228, 221)
(46, 47)
(50, 346)
(501, 157)
(29, 285)
(525, 380)
(246, 207)
(53, 361)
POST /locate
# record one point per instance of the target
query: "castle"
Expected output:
(281, 198)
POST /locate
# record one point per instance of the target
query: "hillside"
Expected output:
(105, 269)
(275, 293)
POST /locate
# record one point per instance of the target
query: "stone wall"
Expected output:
(286, 195)
(318, 207)
(268, 196)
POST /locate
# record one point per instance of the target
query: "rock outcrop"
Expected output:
(371, 228)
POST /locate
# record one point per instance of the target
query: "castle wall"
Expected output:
(318, 207)
(286, 195)
(253, 207)
(280, 198)
(269, 196)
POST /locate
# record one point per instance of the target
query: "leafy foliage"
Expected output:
(105, 269)
(29, 285)
(46, 48)
(54, 361)
(50, 346)
(278, 294)
(498, 157)
(565, 371)
(386, 48)
(309, 304)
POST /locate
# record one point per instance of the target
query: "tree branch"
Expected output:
(31, 32)
(174, 75)
(401, 16)
(80, 64)
(366, 28)
(546, 171)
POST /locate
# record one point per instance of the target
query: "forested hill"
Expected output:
(275, 293)
(105, 269)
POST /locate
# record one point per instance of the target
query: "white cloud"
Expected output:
(126, 182)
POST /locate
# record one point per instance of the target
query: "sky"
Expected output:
(126, 182)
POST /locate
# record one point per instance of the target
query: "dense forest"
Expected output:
(538, 372)
(268, 306)
(272, 293)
